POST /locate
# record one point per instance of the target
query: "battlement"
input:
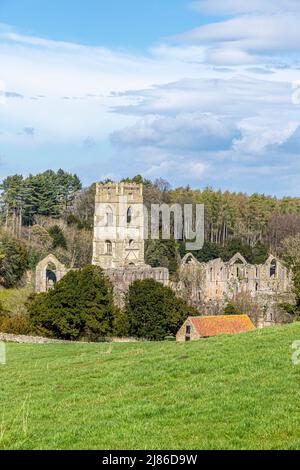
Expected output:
(113, 191)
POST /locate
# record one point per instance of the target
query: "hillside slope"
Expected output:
(224, 393)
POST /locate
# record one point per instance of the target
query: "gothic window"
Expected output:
(109, 217)
(273, 268)
(131, 242)
(108, 247)
(129, 215)
(51, 277)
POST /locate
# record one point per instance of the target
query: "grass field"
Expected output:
(239, 392)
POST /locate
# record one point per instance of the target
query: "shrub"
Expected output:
(232, 309)
(16, 325)
(153, 311)
(79, 306)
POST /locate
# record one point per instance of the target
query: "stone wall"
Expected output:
(210, 286)
(43, 282)
(122, 278)
(182, 336)
(28, 339)
(118, 226)
(40, 340)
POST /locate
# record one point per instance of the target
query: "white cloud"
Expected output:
(189, 131)
(234, 7)
(176, 111)
(258, 134)
(253, 34)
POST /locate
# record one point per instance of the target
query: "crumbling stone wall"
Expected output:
(119, 226)
(209, 286)
(42, 282)
(122, 278)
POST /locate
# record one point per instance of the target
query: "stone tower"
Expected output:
(119, 226)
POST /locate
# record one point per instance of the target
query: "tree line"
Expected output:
(46, 194)
(53, 212)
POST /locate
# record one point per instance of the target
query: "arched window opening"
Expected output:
(189, 260)
(131, 242)
(273, 268)
(109, 217)
(51, 278)
(108, 247)
(129, 215)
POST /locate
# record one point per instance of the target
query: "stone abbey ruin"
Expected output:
(118, 248)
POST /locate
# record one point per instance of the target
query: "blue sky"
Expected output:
(198, 92)
(131, 24)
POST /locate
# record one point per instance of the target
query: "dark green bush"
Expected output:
(79, 306)
(231, 309)
(153, 312)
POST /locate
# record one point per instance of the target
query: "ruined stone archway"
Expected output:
(48, 272)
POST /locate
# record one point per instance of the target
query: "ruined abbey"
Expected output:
(118, 248)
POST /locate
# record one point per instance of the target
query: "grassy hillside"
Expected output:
(228, 393)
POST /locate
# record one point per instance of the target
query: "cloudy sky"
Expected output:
(201, 92)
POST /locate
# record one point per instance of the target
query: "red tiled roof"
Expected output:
(223, 324)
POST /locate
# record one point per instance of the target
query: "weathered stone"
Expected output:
(47, 275)
(118, 248)
(119, 226)
(209, 286)
(28, 339)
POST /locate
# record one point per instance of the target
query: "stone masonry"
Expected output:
(118, 248)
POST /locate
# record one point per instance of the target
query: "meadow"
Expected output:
(230, 392)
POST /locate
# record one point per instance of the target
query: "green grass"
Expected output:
(231, 392)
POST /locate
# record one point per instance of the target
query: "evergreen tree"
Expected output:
(13, 260)
(79, 306)
(153, 311)
(59, 239)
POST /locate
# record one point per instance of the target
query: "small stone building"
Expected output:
(195, 328)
